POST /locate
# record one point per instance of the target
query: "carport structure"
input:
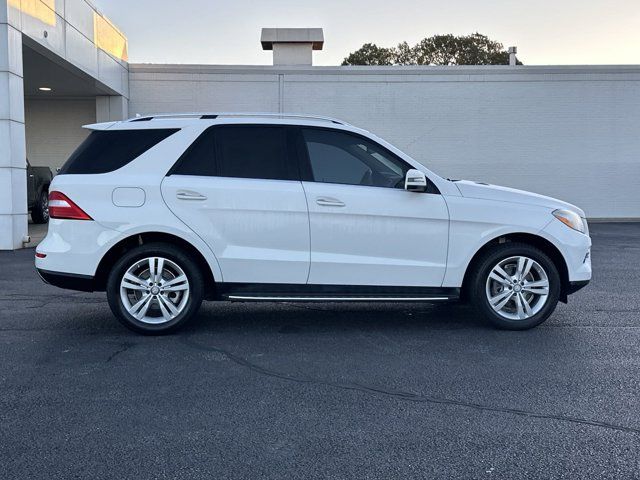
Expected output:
(62, 65)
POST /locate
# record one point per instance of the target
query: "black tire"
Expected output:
(40, 211)
(178, 257)
(483, 267)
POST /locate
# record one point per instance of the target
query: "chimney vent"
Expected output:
(512, 56)
(292, 46)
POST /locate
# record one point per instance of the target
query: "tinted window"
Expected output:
(340, 157)
(109, 150)
(199, 158)
(253, 152)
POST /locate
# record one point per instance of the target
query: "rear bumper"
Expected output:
(74, 246)
(69, 281)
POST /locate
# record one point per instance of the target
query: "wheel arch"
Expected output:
(534, 240)
(132, 241)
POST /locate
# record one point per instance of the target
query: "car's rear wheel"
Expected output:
(155, 289)
(515, 286)
(40, 211)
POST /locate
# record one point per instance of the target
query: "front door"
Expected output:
(365, 228)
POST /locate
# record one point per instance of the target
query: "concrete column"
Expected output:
(13, 175)
(111, 108)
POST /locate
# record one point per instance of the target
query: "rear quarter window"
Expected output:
(104, 151)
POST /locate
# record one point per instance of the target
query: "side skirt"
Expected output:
(253, 292)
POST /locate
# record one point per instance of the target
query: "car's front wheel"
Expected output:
(515, 286)
(155, 289)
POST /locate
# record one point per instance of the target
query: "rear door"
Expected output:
(238, 188)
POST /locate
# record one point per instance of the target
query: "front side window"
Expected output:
(341, 157)
(251, 151)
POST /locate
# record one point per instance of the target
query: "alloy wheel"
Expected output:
(517, 288)
(154, 290)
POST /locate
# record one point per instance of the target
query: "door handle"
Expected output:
(184, 195)
(329, 202)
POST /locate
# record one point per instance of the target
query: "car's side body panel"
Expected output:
(476, 222)
(77, 246)
(376, 236)
(258, 229)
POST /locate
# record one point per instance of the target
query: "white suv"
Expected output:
(162, 212)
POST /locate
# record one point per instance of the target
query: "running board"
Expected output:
(260, 298)
(280, 292)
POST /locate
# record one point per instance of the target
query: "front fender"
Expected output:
(475, 223)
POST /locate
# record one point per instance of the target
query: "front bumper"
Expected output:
(69, 281)
(575, 247)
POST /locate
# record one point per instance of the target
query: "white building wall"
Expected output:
(192, 90)
(54, 129)
(568, 132)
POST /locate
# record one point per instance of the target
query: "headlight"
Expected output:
(570, 219)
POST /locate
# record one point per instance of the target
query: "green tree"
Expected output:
(474, 49)
(371, 54)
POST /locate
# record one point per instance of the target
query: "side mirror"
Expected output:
(415, 181)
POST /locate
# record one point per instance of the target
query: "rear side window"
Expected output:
(253, 152)
(104, 151)
(199, 159)
(239, 151)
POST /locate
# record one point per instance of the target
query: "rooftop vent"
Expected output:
(292, 46)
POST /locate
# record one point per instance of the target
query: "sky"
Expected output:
(546, 32)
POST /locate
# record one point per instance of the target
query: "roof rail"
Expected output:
(214, 115)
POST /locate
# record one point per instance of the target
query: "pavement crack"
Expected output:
(406, 396)
(42, 301)
(124, 347)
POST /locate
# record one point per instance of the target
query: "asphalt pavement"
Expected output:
(305, 391)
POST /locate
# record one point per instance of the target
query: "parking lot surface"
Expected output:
(323, 391)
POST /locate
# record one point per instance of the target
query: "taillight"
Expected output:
(60, 206)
